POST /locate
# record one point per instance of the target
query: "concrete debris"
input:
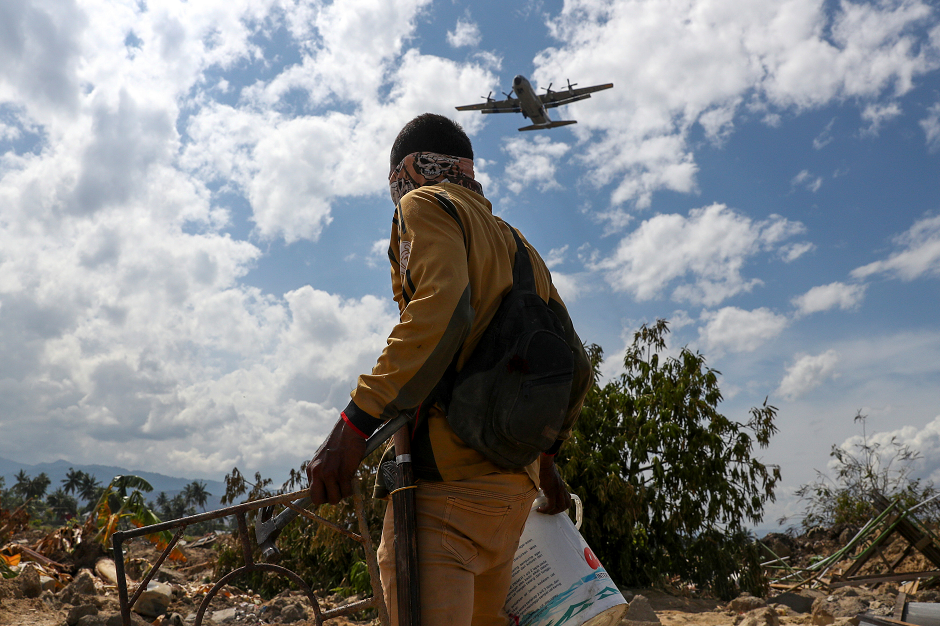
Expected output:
(107, 572)
(155, 600)
(826, 610)
(110, 619)
(639, 610)
(30, 585)
(224, 616)
(80, 611)
(764, 616)
(745, 603)
(293, 613)
(801, 602)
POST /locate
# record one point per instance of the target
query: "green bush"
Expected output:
(324, 559)
(669, 483)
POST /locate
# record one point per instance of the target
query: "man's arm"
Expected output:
(330, 472)
(435, 320)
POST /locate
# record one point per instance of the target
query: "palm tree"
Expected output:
(63, 505)
(90, 489)
(72, 481)
(22, 484)
(37, 486)
(196, 493)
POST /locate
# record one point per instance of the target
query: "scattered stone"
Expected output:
(795, 602)
(931, 595)
(764, 616)
(137, 568)
(223, 617)
(106, 571)
(745, 603)
(30, 585)
(82, 585)
(174, 619)
(846, 621)
(154, 600)
(110, 619)
(639, 610)
(169, 575)
(826, 610)
(293, 613)
(78, 612)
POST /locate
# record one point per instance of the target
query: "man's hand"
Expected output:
(553, 486)
(331, 471)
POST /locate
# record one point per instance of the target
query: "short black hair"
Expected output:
(430, 132)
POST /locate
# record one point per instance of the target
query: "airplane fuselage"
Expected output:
(532, 106)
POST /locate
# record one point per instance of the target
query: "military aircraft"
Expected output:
(533, 106)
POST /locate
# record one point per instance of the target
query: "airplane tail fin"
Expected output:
(549, 125)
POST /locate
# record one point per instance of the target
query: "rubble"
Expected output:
(763, 616)
(53, 587)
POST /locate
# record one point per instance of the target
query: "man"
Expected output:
(451, 266)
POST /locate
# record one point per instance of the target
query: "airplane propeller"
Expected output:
(571, 85)
(508, 95)
(549, 88)
(488, 97)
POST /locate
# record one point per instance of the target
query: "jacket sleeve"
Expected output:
(583, 374)
(433, 290)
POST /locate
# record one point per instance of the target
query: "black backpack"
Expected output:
(510, 399)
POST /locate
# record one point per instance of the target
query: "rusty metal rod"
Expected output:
(156, 566)
(321, 520)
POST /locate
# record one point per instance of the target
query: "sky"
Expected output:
(194, 212)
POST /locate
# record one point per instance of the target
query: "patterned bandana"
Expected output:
(429, 168)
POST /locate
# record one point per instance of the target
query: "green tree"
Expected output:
(90, 488)
(670, 484)
(62, 506)
(73, 481)
(320, 555)
(865, 467)
(196, 494)
(31, 490)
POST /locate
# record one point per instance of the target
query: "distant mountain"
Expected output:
(57, 470)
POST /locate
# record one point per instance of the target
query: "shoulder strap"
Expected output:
(523, 276)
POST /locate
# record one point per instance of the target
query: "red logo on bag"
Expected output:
(591, 559)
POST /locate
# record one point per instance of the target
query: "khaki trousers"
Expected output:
(468, 532)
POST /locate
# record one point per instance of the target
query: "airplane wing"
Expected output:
(558, 98)
(509, 105)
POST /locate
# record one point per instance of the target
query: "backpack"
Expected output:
(510, 399)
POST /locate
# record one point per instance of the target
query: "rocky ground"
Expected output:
(77, 588)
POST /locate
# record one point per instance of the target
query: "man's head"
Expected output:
(430, 132)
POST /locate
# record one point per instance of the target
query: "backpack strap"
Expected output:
(523, 276)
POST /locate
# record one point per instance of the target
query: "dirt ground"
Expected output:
(192, 579)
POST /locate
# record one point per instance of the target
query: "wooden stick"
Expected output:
(406, 545)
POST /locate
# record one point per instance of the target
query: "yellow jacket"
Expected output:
(451, 266)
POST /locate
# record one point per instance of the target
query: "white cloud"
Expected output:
(825, 137)
(675, 64)
(807, 180)
(703, 254)
(919, 256)
(931, 126)
(826, 297)
(465, 33)
(877, 114)
(808, 373)
(127, 327)
(735, 330)
(924, 440)
(533, 162)
(556, 256)
(569, 286)
(791, 252)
